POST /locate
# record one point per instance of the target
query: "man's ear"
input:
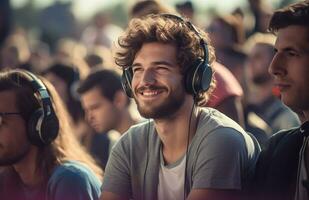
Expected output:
(120, 100)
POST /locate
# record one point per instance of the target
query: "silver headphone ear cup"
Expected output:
(126, 80)
(198, 78)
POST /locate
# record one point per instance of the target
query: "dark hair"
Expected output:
(22, 89)
(234, 26)
(70, 75)
(108, 81)
(294, 14)
(167, 30)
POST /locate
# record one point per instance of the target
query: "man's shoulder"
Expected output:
(282, 147)
(282, 137)
(212, 120)
(72, 179)
(137, 136)
(219, 128)
(139, 130)
(72, 171)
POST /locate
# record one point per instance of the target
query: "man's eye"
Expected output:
(292, 53)
(162, 68)
(136, 69)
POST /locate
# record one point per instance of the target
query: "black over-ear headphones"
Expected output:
(197, 78)
(43, 124)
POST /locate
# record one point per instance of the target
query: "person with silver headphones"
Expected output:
(183, 151)
(40, 157)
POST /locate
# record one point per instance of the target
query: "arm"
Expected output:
(117, 178)
(74, 185)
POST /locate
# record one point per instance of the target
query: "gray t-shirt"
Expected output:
(221, 156)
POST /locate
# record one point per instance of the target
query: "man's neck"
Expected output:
(174, 131)
(28, 171)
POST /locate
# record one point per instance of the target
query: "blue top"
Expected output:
(73, 180)
(69, 181)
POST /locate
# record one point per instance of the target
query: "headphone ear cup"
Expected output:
(34, 127)
(205, 82)
(49, 128)
(42, 130)
(198, 77)
(126, 80)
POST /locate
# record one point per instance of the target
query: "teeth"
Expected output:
(150, 93)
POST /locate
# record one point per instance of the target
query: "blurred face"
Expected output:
(290, 66)
(219, 35)
(14, 144)
(258, 62)
(157, 82)
(59, 84)
(101, 113)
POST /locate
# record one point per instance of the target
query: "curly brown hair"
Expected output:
(167, 30)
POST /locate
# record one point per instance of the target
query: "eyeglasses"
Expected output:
(2, 114)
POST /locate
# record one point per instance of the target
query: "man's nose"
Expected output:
(148, 77)
(277, 66)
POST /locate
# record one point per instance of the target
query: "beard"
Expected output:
(14, 157)
(167, 108)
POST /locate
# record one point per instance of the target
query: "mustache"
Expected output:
(149, 87)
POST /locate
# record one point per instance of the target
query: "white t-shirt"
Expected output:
(171, 180)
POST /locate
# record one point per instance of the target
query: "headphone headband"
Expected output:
(43, 125)
(199, 75)
(191, 26)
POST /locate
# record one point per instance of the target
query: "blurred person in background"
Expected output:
(15, 52)
(65, 77)
(106, 107)
(56, 22)
(101, 32)
(39, 153)
(226, 33)
(260, 97)
(262, 12)
(101, 57)
(5, 20)
(186, 9)
(145, 7)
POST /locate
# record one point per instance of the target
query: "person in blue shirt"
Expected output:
(40, 157)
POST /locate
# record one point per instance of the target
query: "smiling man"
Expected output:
(182, 151)
(283, 168)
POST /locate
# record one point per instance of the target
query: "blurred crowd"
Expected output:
(80, 66)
